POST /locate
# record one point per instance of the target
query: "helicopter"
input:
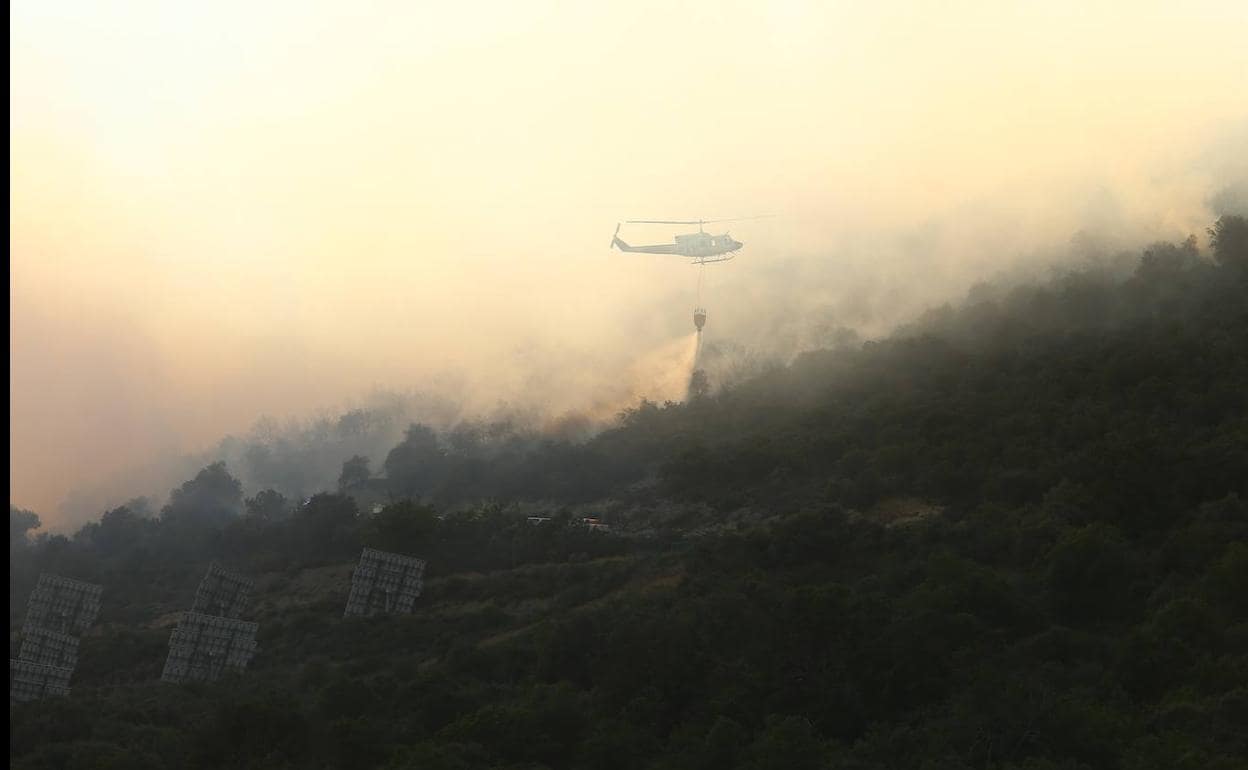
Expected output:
(701, 247)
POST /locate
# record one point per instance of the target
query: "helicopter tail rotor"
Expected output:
(615, 236)
(619, 244)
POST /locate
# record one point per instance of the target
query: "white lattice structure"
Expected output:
(203, 647)
(61, 604)
(59, 611)
(32, 681)
(221, 593)
(49, 648)
(384, 583)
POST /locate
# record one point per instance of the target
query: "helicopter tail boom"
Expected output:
(658, 248)
(616, 242)
(662, 248)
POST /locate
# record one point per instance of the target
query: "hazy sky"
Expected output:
(222, 210)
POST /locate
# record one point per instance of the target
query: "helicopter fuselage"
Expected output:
(701, 247)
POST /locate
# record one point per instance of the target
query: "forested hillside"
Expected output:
(1011, 535)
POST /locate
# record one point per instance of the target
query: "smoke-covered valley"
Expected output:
(764, 312)
(341, 436)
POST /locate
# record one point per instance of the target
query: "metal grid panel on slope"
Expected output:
(222, 593)
(384, 583)
(61, 604)
(202, 647)
(49, 648)
(31, 681)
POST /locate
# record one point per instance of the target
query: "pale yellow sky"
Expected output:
(220, 210)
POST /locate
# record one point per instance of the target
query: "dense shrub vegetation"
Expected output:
(1014, 535)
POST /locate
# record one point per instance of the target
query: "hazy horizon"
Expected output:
(228, 211)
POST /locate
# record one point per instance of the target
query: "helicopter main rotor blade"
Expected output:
(737, 219)
(692, 221)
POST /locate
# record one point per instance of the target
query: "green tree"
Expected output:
(268, 505)
(212, 498)
(1089, 572)
(21, 522)
(1229, 238)
(327, 527)
(355, 472)
(120, 528)
(415, 465)
(787, 743)
(405, 526)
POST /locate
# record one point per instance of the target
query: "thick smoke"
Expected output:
(761, 316)
(301, 456)
(224, 214)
